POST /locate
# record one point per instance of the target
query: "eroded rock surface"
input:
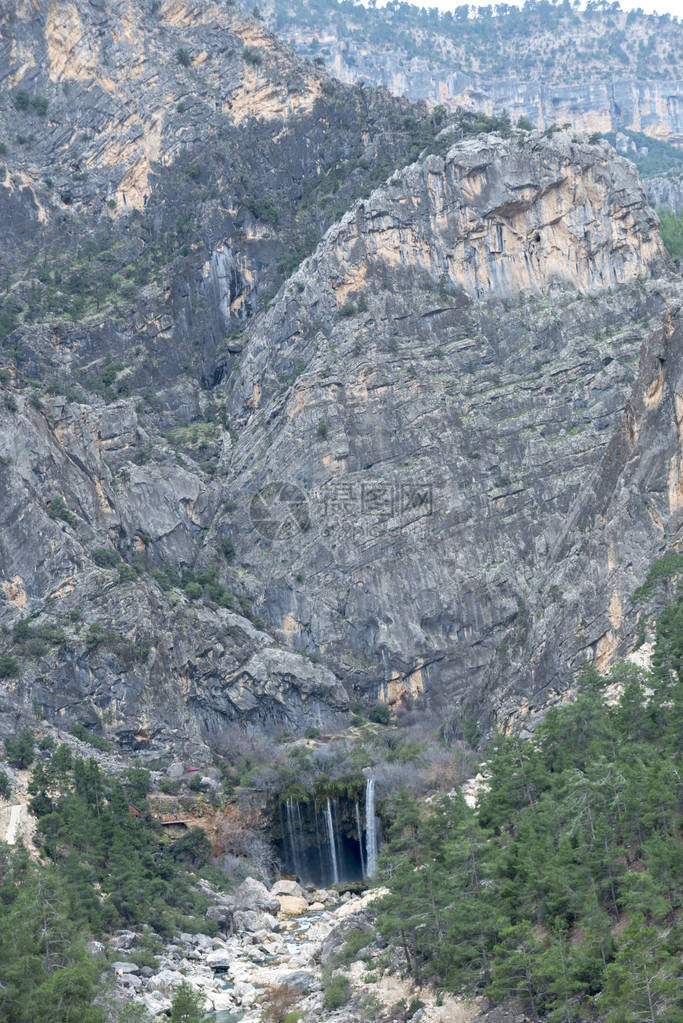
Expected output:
(426, 469)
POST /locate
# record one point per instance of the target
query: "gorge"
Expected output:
(340, 543)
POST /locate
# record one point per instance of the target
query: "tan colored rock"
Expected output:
(292, 905)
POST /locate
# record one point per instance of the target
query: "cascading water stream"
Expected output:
(292, 839)
(333, 851)
(318, 842)
(370, 828)
(359, 831)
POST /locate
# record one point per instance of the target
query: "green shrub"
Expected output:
(671, 230)
(57, 509)
(20, 751)
(252, 56)
(105, 557)
(169, 786)
(21, 100)
(337, 992)
(183, 57)
(227, 548)
(5, 786)
(263, 208)
(358, 938)
(138, 783)
(195, 435)
(348, 309)
(668, 567)
(9, 666)
(379, 714)
(193, 848)
(194, 590)
(187, 1005)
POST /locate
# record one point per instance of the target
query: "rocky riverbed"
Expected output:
(282, 938)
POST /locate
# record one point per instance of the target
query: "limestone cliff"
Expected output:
(321, 419)
(596, 70)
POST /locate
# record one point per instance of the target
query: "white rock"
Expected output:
(218, 959)
(166, 981)
(285, 887)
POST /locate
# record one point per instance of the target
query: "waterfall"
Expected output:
(370, 828)
(319, 845)
(292, 841)
(338, 840)
(360, 839)
(333, 851)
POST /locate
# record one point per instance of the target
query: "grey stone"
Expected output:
(166, 981)
(253, 895)
(124, 967)
(285, 887)
(217, 960)
(254, 921)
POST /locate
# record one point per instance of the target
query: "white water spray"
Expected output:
(333, 851)
(370, 828)
(359, 830)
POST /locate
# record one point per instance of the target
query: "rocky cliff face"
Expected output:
(665, 192)
(597, 71)
(231, 504)
(467, 375)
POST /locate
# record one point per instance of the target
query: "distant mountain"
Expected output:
(598, 69)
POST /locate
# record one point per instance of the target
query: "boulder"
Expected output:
(285, 887)
(336, 939)
(129, 980)
(222, 913)
(123, 939)
(156, 1003)
(302, 980)
(218, 959)
(124, 968)
(166, 981)
(253, 895)
(253, 921)
(292, 905)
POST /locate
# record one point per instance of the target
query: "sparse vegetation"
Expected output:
(21, 751)
(671, 230)
(561, 889)
(336, 992)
